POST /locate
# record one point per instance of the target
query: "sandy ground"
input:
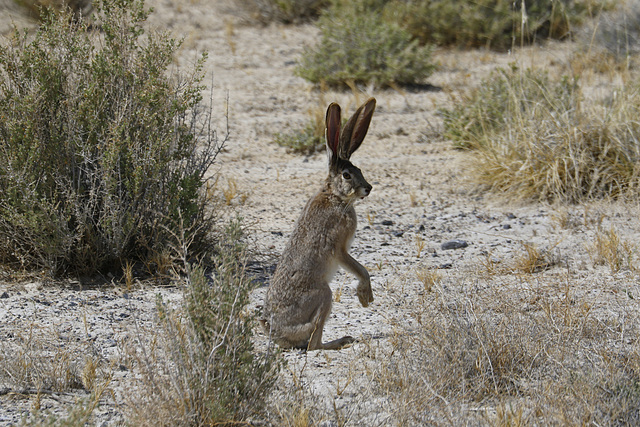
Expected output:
(420, 199)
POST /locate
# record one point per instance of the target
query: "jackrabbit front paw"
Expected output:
(365, 295)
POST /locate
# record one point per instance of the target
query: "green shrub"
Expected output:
(535, 140)
(37, 8)
(498, 24)
(286, 11)
(307, 140)
(358, 46)
(209, 372)
(103, 152)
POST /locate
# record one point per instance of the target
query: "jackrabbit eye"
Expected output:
(346, 175)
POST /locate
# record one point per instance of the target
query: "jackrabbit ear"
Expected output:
(332, 132)
(356, 129)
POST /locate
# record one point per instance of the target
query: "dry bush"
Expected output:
(611, 250)
(535, 138)
(203, 368)
(32, 361)
(35, 363)
(537, 357)
(508, 97)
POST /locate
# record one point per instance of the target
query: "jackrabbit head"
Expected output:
(346, 180)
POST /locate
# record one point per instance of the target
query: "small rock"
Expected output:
(4, 295)
(421, 227)
(398, 233)
(506, 226)
(454, 244)
(387, 222)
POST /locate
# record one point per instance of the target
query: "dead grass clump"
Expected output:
(310, 138)
(611, 250)
(530, 260)
(35, 365)
(608, 393)
(429, 278)
(535, 140)
(33, 362)
(307, 140)
(532, 356)
(533, 259)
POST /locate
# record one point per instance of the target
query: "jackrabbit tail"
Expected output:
(298, 301)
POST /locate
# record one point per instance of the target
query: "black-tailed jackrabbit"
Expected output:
(298, 301)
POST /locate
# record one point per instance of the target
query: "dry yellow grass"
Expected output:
(514, 357)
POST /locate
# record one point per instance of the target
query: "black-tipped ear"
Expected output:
(356, 129)
(332, 132)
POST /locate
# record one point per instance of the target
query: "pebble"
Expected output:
(454, 244)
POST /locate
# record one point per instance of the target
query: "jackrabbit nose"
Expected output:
(367, 190)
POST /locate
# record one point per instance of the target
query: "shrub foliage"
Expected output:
(286, 11)
(208, 372)
(359, 47)
(101, 148)
(498, 24)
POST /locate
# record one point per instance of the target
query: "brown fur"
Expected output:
(298, 301)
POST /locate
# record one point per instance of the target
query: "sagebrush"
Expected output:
(496, 24)
(104, 148)
(357, 46)
(286, 11)
(206, 370)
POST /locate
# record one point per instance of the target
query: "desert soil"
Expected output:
(421, 198)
